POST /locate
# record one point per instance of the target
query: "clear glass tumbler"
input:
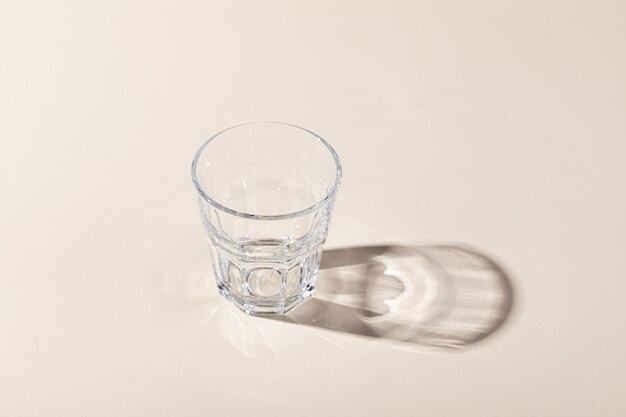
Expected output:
(266, 191)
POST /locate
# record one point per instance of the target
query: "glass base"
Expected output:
(266, 305)
(274, 284)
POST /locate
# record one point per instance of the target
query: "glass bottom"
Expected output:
(271, 285)
(266, 305)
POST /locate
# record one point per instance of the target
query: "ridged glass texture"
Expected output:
(266, 192)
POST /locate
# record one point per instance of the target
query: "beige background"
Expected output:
(495, 124)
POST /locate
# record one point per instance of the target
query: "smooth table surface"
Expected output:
(496, 128)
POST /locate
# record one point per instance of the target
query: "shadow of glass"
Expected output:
(442, 296)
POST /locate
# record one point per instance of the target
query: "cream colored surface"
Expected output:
(495, 124)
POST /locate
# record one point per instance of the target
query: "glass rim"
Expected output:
(329, 195)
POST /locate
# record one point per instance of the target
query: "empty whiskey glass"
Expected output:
(266, 191)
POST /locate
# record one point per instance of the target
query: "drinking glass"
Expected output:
(266, 192)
